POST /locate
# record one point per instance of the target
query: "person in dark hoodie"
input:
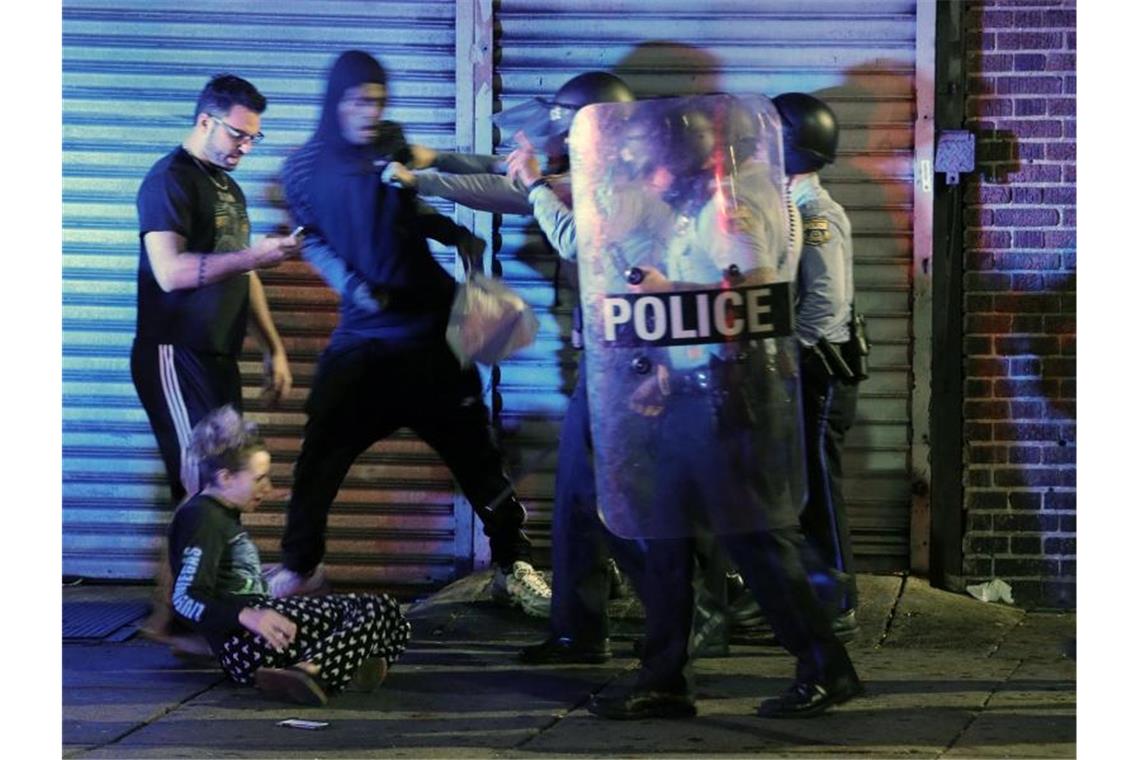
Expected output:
(299, 649)
(387, 364)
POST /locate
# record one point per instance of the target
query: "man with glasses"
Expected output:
(197, 285)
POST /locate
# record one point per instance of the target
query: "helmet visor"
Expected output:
(537, 118)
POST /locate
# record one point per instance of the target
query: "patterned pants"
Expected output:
(336, 632)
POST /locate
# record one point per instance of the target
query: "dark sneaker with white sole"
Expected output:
(806, 699)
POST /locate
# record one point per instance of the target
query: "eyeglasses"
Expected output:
(239, 135)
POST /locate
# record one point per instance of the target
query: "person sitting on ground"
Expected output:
(300, 648)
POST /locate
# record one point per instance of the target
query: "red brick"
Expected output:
(978, 217)
(1030, 107)
(1065, 195)
(978, 410)
(1026, 281)
(1029, 239)
(994, 194)
(1065, 19)
(981, 568)
(1059, 455)
(1015, 261)
(1026, 217)
(1030, 40)
(1071, 129)
(1060, 62)
(1023, 19)
(1061, 501)
(995, 239)
(1062, 410)
(1025, 324)
(1069, 260)
(1061, 324)
(996, 64)
(1069, 218)
(979, 345)
(1024, 523)
(979, 522)
(1028, 85)
(1027, 61)
(1071, 85)
(979, 478)
(1069, 345)
(980, 85)
(1059, 366)
(978, 431)
(1028, 195)
(1021, 345)
(982, 544)
(978, 367)
(986, 281)
(988, 455)
(979, 388)
(1061, 151)
(1064, 283)
(988, 324)
(1026, 303)
(1026, 366)
(979, 261)
(989, 106)
(1014, 568)
(991, 19)
(1035, 173)
(1025, 545)
(979, 304)
(1025, 431)
(1060, 546)
(1062, 106)
(1025, 455)
(1070, 41)
(1035, 477)
(1025, 500)
(1014, 389)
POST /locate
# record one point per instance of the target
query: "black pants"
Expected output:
(580, 542)
(829, 411)
(771, 564)
(363, 394)
(336, 632)
(177, 388)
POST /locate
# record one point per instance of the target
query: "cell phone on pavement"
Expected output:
(308, 725)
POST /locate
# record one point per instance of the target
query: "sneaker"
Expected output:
(806, 699)
(563, 649)
(524, 587)
(845, 627)
(290, 685)
(639, 704)
(284, 582)
(369, 675)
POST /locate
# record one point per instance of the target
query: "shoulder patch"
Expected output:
(817, 230)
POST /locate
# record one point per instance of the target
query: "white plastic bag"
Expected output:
(488, 321)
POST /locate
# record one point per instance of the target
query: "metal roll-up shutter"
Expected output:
(131, 74)
(858, 56)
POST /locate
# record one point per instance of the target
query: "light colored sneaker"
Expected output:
(283, 582)
(523, 587)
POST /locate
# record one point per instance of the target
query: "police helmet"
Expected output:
(593, 87)
(811, 132)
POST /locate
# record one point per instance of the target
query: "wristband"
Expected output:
(540, 182)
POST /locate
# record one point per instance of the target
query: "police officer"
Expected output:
(824, 307)
(580, 543)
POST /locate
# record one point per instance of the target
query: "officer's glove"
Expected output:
(470, 248)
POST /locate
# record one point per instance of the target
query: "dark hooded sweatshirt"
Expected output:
(335, 189)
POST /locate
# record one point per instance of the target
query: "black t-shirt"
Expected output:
(216, 568)
(206, 207)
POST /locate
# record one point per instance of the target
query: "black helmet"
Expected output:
(593, 87)
(811, 132)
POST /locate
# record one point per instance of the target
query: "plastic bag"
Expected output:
(488, 321)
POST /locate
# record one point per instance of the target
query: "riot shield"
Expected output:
(685, 265)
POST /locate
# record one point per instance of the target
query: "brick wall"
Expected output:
(1020, 300)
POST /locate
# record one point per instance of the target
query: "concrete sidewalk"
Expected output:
(947, 676)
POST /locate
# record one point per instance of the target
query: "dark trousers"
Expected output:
(829, 411)
(177, 388)
(580, 542)
(336, 632)
(772, 566)
(364, 393)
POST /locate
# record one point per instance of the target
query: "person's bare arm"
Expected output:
(175, 268)
(278, 378)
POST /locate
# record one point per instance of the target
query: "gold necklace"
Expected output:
(224, 185)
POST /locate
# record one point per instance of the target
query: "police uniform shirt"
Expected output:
(826, 286)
